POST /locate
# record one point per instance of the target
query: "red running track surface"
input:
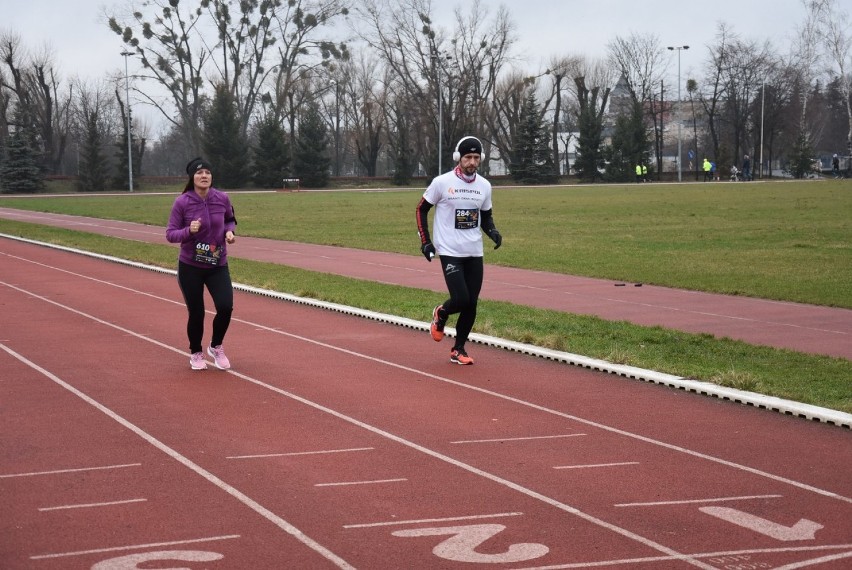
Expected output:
(795, 326)
(343, 442)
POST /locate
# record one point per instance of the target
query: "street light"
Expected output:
(762, 104)
(127, 102)
(436, 59)
(679, 49)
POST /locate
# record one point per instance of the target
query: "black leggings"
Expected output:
(218, 281)
(463, 276)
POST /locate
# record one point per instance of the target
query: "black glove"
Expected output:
(496, 237)
(428, 251)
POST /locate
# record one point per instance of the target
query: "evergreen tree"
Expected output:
(590, 123)
(532, 157)
(801, 157)
(224, 146)
(630, 146)
(20, 172)
(310, 161)
(92, 176)
(271, 155)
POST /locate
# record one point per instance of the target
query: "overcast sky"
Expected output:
(84, 46)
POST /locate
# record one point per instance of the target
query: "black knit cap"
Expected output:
(469, 145)
(197, 164)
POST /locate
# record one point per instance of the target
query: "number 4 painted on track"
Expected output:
(461, 546)
(802, 530)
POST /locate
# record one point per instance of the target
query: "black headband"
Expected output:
(197, 164)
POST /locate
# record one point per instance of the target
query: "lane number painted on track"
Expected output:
(461, 546)
(132, 561)
(802, 530)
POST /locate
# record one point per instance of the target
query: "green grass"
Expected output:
(787, 241)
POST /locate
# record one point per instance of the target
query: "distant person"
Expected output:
(835, 165)
(203, 222)
(638, 173)
(734, 173)
(713, 171)
(746, 168)
(462, 201)
(707, 168)
(644, 173)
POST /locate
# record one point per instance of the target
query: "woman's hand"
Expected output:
(230, 237)
(195, 226)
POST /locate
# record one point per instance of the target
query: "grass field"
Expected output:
(785, 240)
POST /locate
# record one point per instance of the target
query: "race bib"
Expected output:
(467, 219)
(208, 253)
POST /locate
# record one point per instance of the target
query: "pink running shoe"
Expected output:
(219, 358)
(197, 362)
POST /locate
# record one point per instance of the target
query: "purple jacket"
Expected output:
(217, 217)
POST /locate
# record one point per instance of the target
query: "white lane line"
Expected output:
(502, 439)
(384, 362)
(509, 484)
(593, 465)
(296, 453)
(133, 547)
(700, 501)
(77, 470)
(712, 556)
(89, 505)
(382, 433)
(440, 520)
(234, 492)
(374, 482)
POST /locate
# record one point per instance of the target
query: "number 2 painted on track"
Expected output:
(461, 546)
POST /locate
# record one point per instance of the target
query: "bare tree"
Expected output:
(34, 83)
(641, 61)
(834, 30)
(459, 75)
(178, 47)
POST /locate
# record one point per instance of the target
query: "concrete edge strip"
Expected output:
(770, 403)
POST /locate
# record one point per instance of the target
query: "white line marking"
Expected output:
(384, 362)
(426, 451)
(499, 480)
(133, 547)
(421, 521)
(710, 555)
(296, 453)
(592, 465)
(699, 501)
(87, 505)
(234, 492)
(58, 471)
(517, 438)
(345, 483)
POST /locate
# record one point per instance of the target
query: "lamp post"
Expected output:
(679, 49)
(437, 59)
(126, 53)
(762, 103)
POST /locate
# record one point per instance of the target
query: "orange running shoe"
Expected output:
(437, 328)
(459, 356)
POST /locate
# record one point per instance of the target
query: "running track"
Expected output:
(340, 442)
(804, 328)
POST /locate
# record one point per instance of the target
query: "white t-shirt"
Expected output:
(457, 204)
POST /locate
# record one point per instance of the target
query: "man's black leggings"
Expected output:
(218, 281)
(463, 276)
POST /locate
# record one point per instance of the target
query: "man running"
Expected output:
(462, 201)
